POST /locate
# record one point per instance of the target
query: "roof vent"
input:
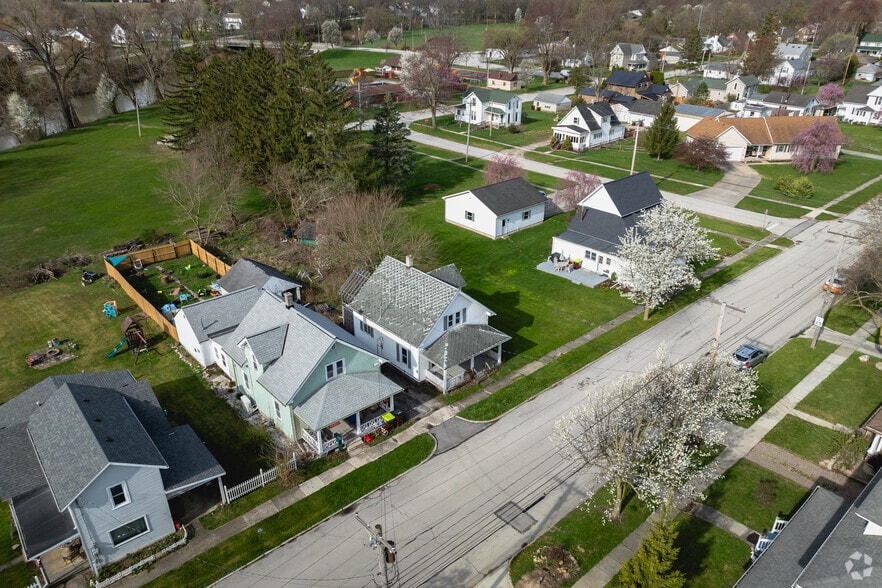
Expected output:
(108, 439)
(97, 419)
(408, 260)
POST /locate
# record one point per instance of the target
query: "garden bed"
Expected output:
(179, 281)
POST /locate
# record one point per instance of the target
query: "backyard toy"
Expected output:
(118, 347)
(110, 308)
(34, 359)
(133, 337)
(88, 277)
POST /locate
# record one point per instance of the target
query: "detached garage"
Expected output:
(498, 209)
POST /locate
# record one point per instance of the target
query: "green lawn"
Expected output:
(65, 310)
(349, 59)
(772, 208)
(471, 36)
(865, 138)
(21, 574)
(709, 556)
(844, 317)
(6, 537)
(851, 171)
(82, 191)
(535, 127)
(584, 535)
(754, 496)
(849, 395)
(857, 199)
(784, 369)
(249, 544)
(814, 442)
(719, 225)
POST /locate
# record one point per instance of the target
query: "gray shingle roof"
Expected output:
(789, 99)
(463, 342)
(450, 274)
(80, 430)
(41, 524)
(403, 300)
(645, 107)
(551, 98)
(344, 396)
(633, 193)
(216, 316)
(782, 562)
(248, 272)
(597, 230)
(508, 196)
(695, 110)
(625, 78)
(858, 93)
(269, 345)
(190, 463)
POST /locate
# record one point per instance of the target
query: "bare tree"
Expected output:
(47, 29)
(359, 230)
(548, 20)
(423, 79)
(864, 285)
(444, 50)
(297, 195)
(278, 22)
(250, 11)
(188, 185)
(213, 146)
(509, 43)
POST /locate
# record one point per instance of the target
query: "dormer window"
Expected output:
(332, 370)
(254, 364)
(451, 320)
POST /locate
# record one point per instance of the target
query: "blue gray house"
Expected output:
(92, 457)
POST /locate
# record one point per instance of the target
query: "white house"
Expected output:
(602, 218)
(90, 460)
(768, 138)
(713, 44)
(551, 102)
(498, 209)
(233, 21)
(118, 35)
(670, 55)
(637, 112)
(589, 125)
(487, 106)
(868, 73)
(422, 322)
(632, 56)
(722, 70)
(786, 103)
(862, 105)
(871, 45)
(792, 64)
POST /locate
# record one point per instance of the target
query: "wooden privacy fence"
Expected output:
(258, 481)
(156, 255)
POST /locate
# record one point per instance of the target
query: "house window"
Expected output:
(597, 135)
(782, 148)
(366, 328)
(608, 259)
(278, 409)
(129, 531)
(220, 355)
(599, 260)
(253, 362)
(593, 256)
(246, 381)
(119, 495)
(451, 320)
(403, 355)
(525, 215)
(470, 216)
(332, 370)
(575, 120)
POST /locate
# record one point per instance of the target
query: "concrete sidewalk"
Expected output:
(740, 444)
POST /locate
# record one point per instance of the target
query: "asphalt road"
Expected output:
(462, 514)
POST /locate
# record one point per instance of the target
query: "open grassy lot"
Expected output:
(249, 544)
(584, 535)
(471, 36)
(847, 396)
(844, 317)
(773, 208)
(535, 127)
(65, 310)
(864, 138)
(754, 496)
(814, 442)
(82, 191)
(858, 198)
(851, 171)
(340, 59)
(784, 369)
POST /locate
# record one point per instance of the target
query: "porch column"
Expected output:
(472, 363)
(358, 422)
(318, 442)
(220, 486)
(444, 378)
(499, 354)
(391, 403)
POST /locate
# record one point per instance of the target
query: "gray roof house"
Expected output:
(786, 103)
(306, 373)
(602, 218)
(422, 322)
(91, 456)
(551, 102)
(632, 56)
(589, 125)
(248, 272)
(827, 543)
(498, 209)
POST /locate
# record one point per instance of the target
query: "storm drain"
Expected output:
(512, 514)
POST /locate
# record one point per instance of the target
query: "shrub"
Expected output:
(798, 188)
(514, 129)
(567, 145)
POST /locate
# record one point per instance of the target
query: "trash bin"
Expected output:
(577, 264)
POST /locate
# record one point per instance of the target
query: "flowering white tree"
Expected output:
(658, 256)
(423, 79)
(331, 33)
(24, 121)
(653, 432)
(371, 36)
(395, 36)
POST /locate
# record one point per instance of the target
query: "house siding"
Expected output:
(95, 518)
(589, 258)
(202, 352)
(484, 221)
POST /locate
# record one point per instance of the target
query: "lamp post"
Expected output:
(469, 114)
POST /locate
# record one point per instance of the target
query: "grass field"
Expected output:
(754, 496)
(82, 191)
(471, 36)
(709, 556)
(864, 138)
(848, 396)
(844, 317)
(814, 442)
(778, 209)
(856, 199)
(851, 171)
(349, 59)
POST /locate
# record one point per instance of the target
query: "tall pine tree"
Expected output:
(663, 136)
(183, 104)
(760, 60)
(693, 46)
(389, 153)
(653, 562)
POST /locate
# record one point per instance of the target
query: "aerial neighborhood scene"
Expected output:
(440, 293)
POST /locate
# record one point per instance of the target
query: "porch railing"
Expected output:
(371, 426)
(325, 447)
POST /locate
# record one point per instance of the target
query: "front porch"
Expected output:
(338, 435)
(63, 562)
(463, 373)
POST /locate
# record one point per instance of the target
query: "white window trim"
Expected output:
(126, 493)
(337, 368)
(366, 328)
(277, 409)
(146, 524)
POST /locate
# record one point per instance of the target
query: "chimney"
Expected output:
(408, 260)
(289, 299)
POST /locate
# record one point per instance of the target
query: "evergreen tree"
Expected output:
(760, 60)
(183, 104)
(663, 136)
(389, 153)
(693, 46)
(701, 96)
(653, 563)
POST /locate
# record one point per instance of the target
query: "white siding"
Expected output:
(602, 263)
(600, 200)
(483, 220)
(201, 352)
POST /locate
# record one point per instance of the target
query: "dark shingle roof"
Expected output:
(464, 342)
(248, 272)
(633, 193)
(450, 274)
(858, 93)
(627, 79)
(190, 463)
(789, 99)
(645, 107)
(597, 230)
(508, 196)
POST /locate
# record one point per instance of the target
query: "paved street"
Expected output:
(463, 513)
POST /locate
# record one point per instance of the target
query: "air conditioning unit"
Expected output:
(247, 404)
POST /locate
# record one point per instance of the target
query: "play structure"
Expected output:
(110, 309)
(133, 338)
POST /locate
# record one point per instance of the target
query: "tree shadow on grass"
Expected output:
(510, 319)
(236, 445)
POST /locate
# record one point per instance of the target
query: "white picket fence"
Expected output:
(147, 560)
(37, 584)
(258, 481)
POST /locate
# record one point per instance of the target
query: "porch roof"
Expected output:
(463, 343)
(41, 525)
(343, 396)
(495, 110)
(190, 462)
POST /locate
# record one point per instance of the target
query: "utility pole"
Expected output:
(723, 307)
(386, 555)
(634, 153)
(828, 298)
